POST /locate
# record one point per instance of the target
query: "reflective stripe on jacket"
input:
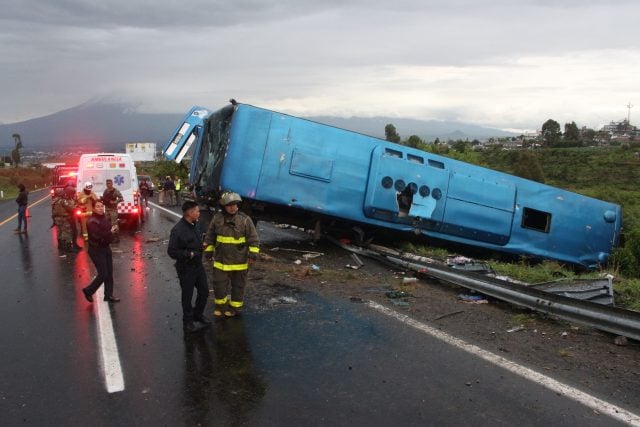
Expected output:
(234, 238)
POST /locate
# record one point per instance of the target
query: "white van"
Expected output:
(119, 167)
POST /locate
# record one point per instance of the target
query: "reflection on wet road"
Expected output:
(299, 360)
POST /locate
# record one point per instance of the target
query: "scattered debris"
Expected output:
(473, 298)
(297, 262)
(406, 280)
(459, 260)
(400, 303)
(152, 240)
(621, 341)
(310, 254)
(397, 294)
(516, 328)
(357, 262)
(564, 334)
(442, 316)
(315, 267)
(282, 300)
(356, 300)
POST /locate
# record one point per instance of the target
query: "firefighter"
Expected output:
(232, 242)
(86, 199)
(111, 197)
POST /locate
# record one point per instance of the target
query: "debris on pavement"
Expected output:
(621, 341)
(152, 240)
(406, 280)
(516, 328)
(357, 262)
(473, 298)
(397, 294)
(282, 300)
(442, 316)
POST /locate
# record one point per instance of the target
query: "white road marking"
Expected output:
(166, 210)
(586, 399)
(109, 357)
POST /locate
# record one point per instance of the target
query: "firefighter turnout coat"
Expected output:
(235, 240)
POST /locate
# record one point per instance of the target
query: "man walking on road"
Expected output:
(185, 246)
(22, 200)
(100, 235)
(111, 197)
(236, 244)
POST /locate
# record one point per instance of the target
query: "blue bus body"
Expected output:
(292, 167)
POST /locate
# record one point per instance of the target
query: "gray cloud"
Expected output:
(296, 53)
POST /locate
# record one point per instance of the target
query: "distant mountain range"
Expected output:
(103, 125)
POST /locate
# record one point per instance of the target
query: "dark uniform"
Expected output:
(100, 236)
(234, 239)
(111, 198)
(186, 239)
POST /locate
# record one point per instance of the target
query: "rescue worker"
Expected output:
(185, 246)
(60, 218)
(178, 185)
(232, 242)
(100, 235)
(111, 197)
(86, 199)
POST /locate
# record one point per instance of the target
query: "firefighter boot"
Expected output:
(218, 310)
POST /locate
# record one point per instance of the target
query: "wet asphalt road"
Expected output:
(313, 362)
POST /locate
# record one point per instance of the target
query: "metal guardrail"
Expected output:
(615, 320)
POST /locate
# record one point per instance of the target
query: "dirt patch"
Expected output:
(583, 357)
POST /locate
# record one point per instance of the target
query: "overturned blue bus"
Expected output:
(298, 171)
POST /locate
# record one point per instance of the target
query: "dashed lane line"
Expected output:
(12, 217)
(586, 399)
(109, 356)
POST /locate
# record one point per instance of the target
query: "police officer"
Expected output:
(235, 240)
(185, 246)
(100, 235)
(111, 197)
(86, 199)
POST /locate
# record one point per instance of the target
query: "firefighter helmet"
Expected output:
(230, 197)
(88, 185)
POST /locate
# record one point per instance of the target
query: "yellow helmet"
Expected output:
(230, 197)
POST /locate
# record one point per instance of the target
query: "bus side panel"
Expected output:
(315, 167)
(247, 140)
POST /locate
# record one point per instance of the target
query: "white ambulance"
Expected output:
(119, 167)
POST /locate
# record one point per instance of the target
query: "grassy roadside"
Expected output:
(31, 178)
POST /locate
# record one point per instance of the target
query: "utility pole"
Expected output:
(629, 107)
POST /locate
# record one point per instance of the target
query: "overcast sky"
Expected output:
(504, 63)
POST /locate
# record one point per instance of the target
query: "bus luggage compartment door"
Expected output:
(406, 188)
(479, 209)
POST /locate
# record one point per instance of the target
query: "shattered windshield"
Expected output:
(214, 144)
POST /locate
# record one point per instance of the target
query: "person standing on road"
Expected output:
(169, 191)
(234, 239)
(144, 191)
(185, 246)
(61, 219)
(100, 235)
(111, 197)
(86, 200)
(22, 200)
(70, 205)
(178, 184)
